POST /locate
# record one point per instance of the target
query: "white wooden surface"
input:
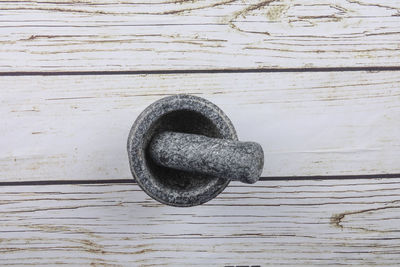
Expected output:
(74, 127)
(289, 223)
(326, 123)
(199, 34)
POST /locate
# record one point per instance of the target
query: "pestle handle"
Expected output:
(229, 159)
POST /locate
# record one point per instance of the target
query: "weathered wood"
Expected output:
(76, 127)
(287, 223)
(200, 34)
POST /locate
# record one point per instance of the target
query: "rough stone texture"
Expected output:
(183, 114)
(180, 113)
(233, 160)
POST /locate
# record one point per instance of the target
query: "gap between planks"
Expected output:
(200, 71)
(262, 179)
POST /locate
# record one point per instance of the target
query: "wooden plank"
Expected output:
(201, 34)
(288, 223)
(76, 127)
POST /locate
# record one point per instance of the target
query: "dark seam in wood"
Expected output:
(264, 179)
(331, 177)
(205, 71)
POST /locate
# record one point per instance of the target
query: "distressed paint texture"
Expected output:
(326, 123)
(200, 34)
(285, 223)
(74, 127)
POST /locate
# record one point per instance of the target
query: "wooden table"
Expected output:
(317, 83)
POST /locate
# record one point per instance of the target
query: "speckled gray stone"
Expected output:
(233, 160)
(180, 114)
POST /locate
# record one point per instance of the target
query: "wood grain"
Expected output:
(76, 127)
(289, 223)
(199, 34)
